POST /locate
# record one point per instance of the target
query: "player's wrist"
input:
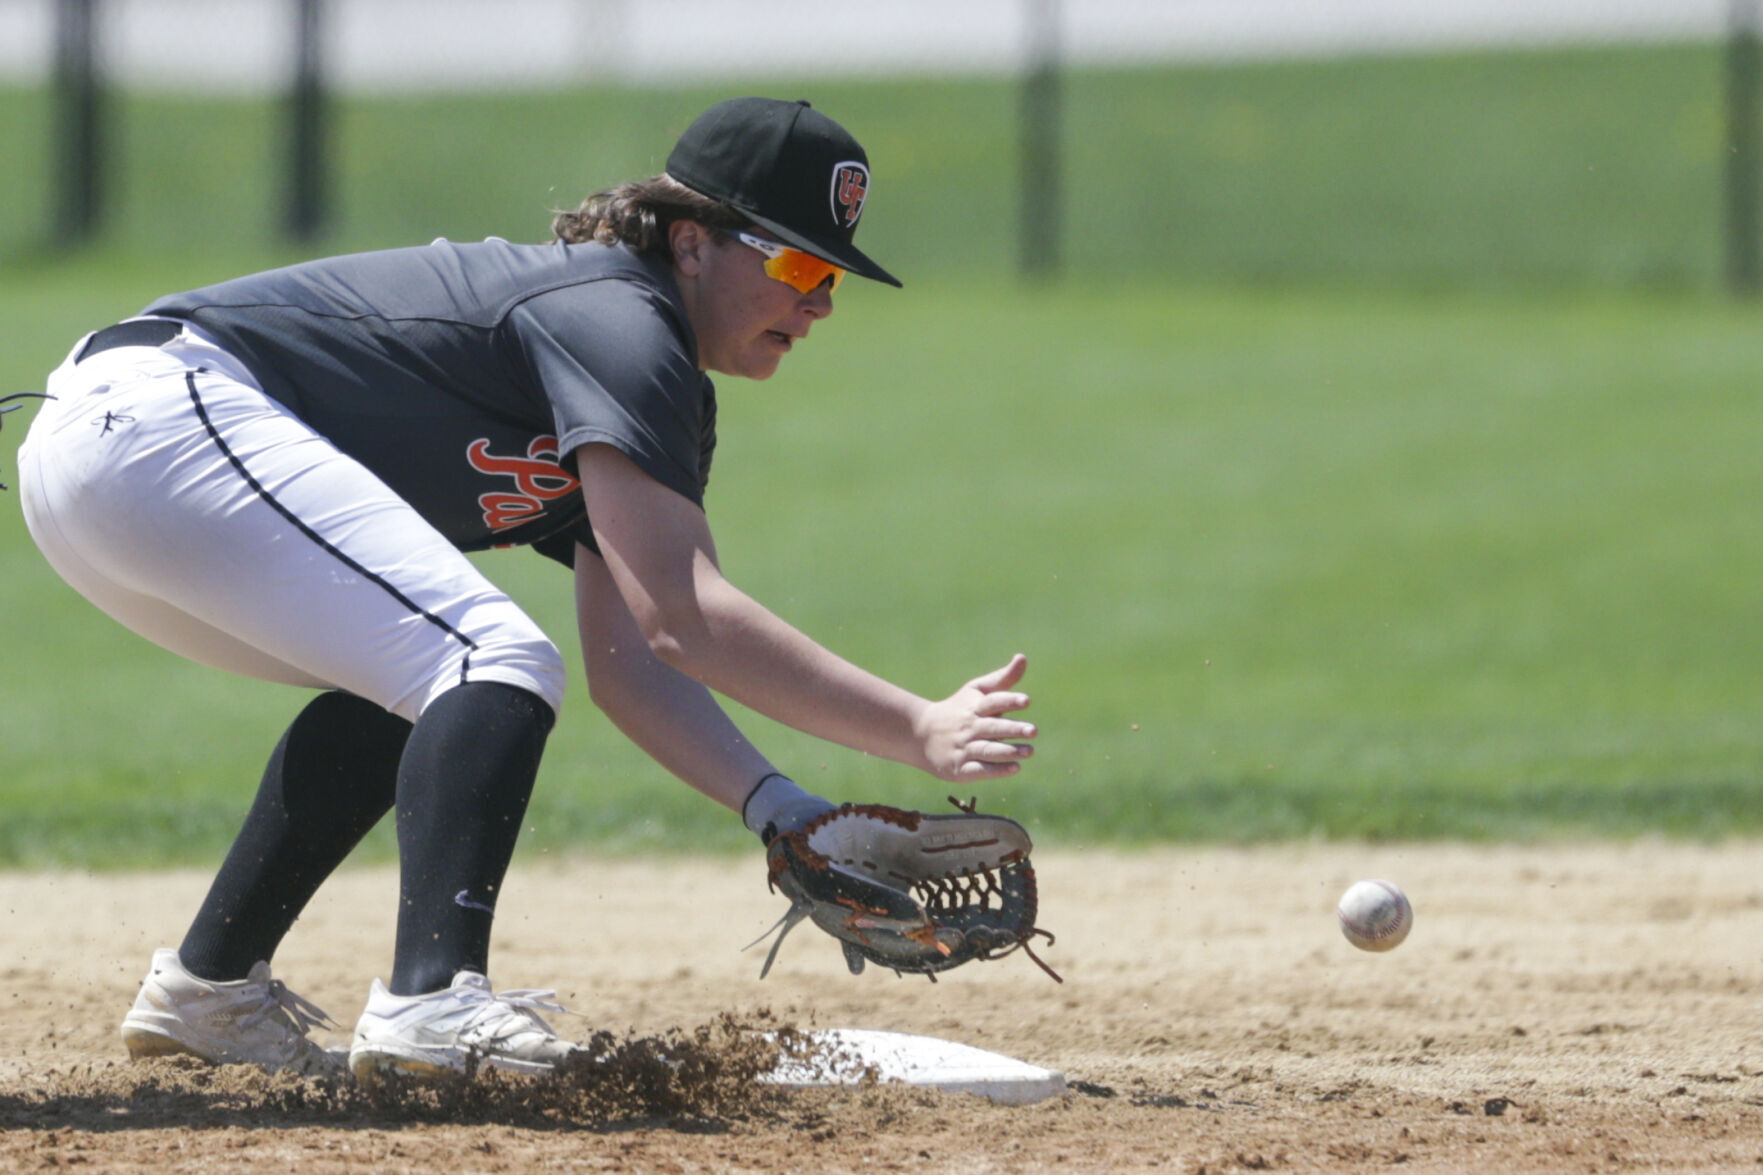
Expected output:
(777, 805)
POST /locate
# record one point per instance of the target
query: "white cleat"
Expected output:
(452, 1031)
(250, 1021)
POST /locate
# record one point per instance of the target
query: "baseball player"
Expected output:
(278, 475)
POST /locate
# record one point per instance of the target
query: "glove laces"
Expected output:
(793, 917)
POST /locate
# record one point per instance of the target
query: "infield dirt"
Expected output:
(1556, 1008)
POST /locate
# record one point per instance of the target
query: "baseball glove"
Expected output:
(908, 891)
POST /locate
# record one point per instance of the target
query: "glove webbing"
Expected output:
(974, 892)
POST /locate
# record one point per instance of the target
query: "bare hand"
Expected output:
(966, 736)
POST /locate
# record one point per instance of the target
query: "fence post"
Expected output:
(1040, 210)
(1742, 268)
(78, 123)
(306, 208)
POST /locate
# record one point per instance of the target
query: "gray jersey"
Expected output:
(460, 374)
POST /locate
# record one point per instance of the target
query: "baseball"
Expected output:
(1375, 915)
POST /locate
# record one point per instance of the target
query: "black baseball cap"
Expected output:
(789, 168)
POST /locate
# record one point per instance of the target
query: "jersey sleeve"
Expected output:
(620, 368)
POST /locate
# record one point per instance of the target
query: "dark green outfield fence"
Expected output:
(1610, 167)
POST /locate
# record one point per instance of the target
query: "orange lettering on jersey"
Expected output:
(502, 511)
(537, 479)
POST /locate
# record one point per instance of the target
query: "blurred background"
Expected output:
(1539, 142)
(1350, 405)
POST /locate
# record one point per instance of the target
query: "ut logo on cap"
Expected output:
(850, 189)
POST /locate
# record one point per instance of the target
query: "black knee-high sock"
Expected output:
(463, 787)
(330, 779)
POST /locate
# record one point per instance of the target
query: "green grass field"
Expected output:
(1449, 531)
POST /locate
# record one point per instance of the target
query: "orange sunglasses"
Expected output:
(800, 271)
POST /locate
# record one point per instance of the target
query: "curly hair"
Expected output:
(638, 214)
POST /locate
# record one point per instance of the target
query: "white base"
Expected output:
(845, 1056)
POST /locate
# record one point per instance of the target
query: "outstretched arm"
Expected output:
(671, 717)
(661, 557)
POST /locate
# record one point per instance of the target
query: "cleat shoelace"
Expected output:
(300, 1013)
(507, 1013)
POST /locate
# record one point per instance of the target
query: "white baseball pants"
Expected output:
(164, 486)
